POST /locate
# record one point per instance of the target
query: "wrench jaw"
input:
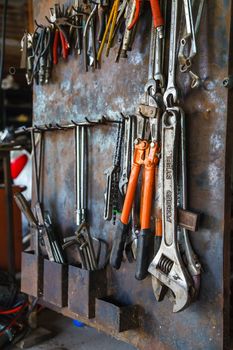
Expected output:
(159, 289)
(176, 279)
(196, 286)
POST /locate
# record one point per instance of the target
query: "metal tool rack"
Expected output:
(132, 313)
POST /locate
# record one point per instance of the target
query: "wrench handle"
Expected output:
(156, 13)
(118, 245)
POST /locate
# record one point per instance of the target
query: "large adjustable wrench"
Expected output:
(167, 266)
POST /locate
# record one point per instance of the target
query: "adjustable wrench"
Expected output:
(167, 266)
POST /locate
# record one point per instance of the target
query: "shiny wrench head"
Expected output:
(176, 280)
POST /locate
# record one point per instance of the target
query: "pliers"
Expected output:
(64, 46)
(61, 18)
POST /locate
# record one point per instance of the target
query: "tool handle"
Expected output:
(156, 13)
(55, 46)
(147, 195)
(145, 236)
(24, 207)
(102, 10)
(130, 193)
(157, 244)
(64, 45)
(145, 241)
(136, 14)
(99, 54)
(111, 31)
(118, 245)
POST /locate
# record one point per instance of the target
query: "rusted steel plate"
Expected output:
(32, 274)
(55, 283)
(116, 316)
(117, 87)
(84, 287)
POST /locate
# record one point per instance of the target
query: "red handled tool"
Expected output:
(64, 46)
(156, 14)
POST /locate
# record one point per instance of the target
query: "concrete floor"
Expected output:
(70, 337)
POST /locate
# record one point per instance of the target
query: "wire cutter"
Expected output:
(60, 19)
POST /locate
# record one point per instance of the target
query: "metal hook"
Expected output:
(46, 17)
(38, 128)
(79, 13)
(94, 2)
(107, 120)
(62, 127)
(49, 127)
(59, 127)
(38, 25)
(125, 117)
(73, 122)
(91, 122)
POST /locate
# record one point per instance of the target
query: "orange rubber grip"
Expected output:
(148, 191)
(158, 227)
(139, 155)
(130, 194)
(156, 13)
(136, 14)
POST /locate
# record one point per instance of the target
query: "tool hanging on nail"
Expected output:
(174, 274)
(39, 219)
(82, 238)
(112, 195)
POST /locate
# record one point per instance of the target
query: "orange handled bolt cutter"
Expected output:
(146, 158)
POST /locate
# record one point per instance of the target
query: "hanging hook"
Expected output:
(38, 128)
(38, 25)
(91, 122)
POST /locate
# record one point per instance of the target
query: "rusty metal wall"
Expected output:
(74, 94)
